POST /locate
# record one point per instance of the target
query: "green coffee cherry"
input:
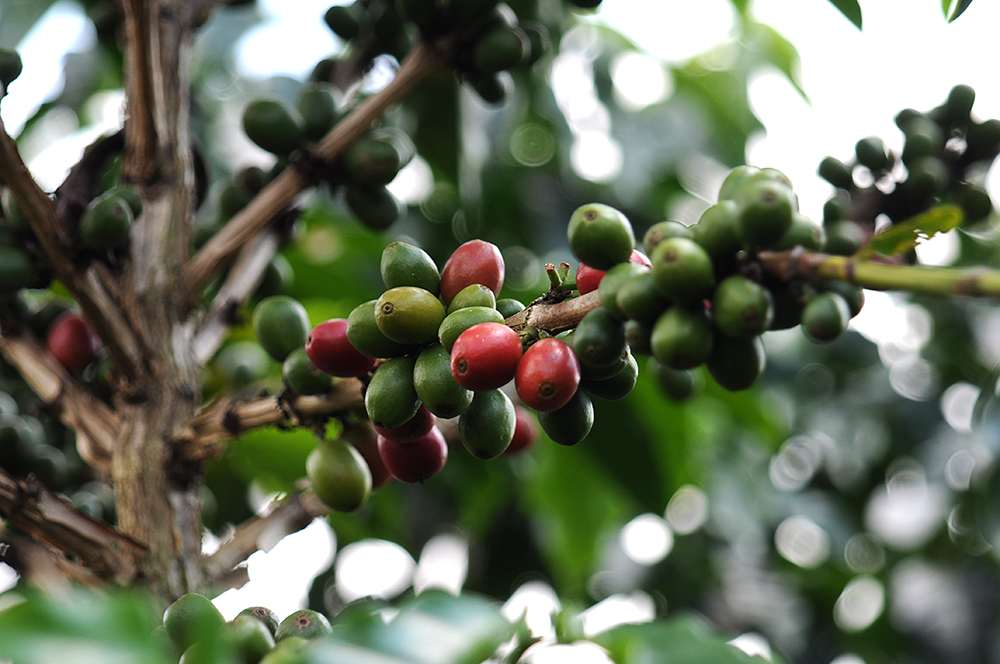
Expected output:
(373, 205)
(190, 618)
(613, 281)
(717, 232)
(460, 320)
(377, 156)
(343, 21)
(17, 271)
(976, 204)
(571, 423)
(10, 67)
(273, 126)
(734, 179)
(492, 88)
(638, 334)
(500, 48)
(300, 374)
(766, 209)
(364, 334)
(736, 364)
(853, 295)
(639, 299)
(678, 384)
(787, 305)
(618, 386)
(391, 399)
(872, 154)
(599, 340)
(928, 177)
(318, 110)
(130, 195)
(305, 623)
(473, 295)
(487, 425)
(339, 475)
(922, 137)
(982, 140)
(281, 325)
(266, 616)
(106, 222)
(436, 387)
(12, 212)
(404, 264)
(741, 307)
(470, 10)
(958, 106)
(803, 232)
(409, 315)
(660, 231)
(508, 307)
(836, 173)
(844, 238)
(249, 637)
(600, 236)
(682, 271)
(825, 317)
(682, 338)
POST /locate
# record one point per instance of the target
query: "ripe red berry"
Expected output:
(362, 435)
(485, 356)
(525, 431)
(329, 349)
(548, 375)
(475, 262)
(588, 278)
(415, 461)
(72, 341)
(416, 427)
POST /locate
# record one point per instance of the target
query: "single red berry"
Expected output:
(72, 341)
(415, 461)
(485, 356)
(525, 431)
(588, 278)
(475, 262)
(329, 349)
(547, 375)
(416, 427)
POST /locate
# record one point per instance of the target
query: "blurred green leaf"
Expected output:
(431, 628)
(960, 7)
(84, 628)
(740, 5)
(274, 457)
(778, 51)
(849, 8)
(906, 235)
(683, 640)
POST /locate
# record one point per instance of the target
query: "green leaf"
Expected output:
(741, 6)
(431, 628)
(960, 9)
(849, 8)
(904, 236)
(779, 52)
(274, 457)
(683, 640)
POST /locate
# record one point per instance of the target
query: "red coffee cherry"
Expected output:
(329, 349)
(485, 356)
(415, 461)
(416, 427)
(588, 278)
(547, 375)
(72, 342)
(475, 262)
(525, 431)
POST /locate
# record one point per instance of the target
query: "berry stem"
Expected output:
(972, 282)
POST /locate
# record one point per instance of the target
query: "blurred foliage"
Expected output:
(861, 459)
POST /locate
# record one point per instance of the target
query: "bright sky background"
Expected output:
(907, 56)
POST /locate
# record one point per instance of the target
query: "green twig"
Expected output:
(972, 282)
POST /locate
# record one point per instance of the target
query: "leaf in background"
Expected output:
(906, 235)
(431, 628)
(114, 628)
(849, 8)
(960, 9)
(683, 640)
(778, 51)
(274, 457)
(740, 5)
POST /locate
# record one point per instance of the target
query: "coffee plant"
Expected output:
(379, 296)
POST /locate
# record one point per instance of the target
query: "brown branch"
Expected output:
(291, 514)
(555, 318)
(240, 283)
(95, 423)
(261, 211)
(140, 163)
(29, 506)
(98, 306)
(202, 438)
(43, 568)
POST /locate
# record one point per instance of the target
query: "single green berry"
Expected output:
(600, 236)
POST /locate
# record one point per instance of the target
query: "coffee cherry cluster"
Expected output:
(701, 298)
(945, 155)
(195, 631)
(363, 170)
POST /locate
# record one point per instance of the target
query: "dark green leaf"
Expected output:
(849, 8)
(904, 236)
(960, 9)
(684, 640)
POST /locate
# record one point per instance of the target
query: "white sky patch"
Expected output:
(291, 40)
(373, 568)
(621, 609)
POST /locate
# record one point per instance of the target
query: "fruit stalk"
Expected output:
(970, 282)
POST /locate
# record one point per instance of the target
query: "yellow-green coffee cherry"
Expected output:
(409, 315)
